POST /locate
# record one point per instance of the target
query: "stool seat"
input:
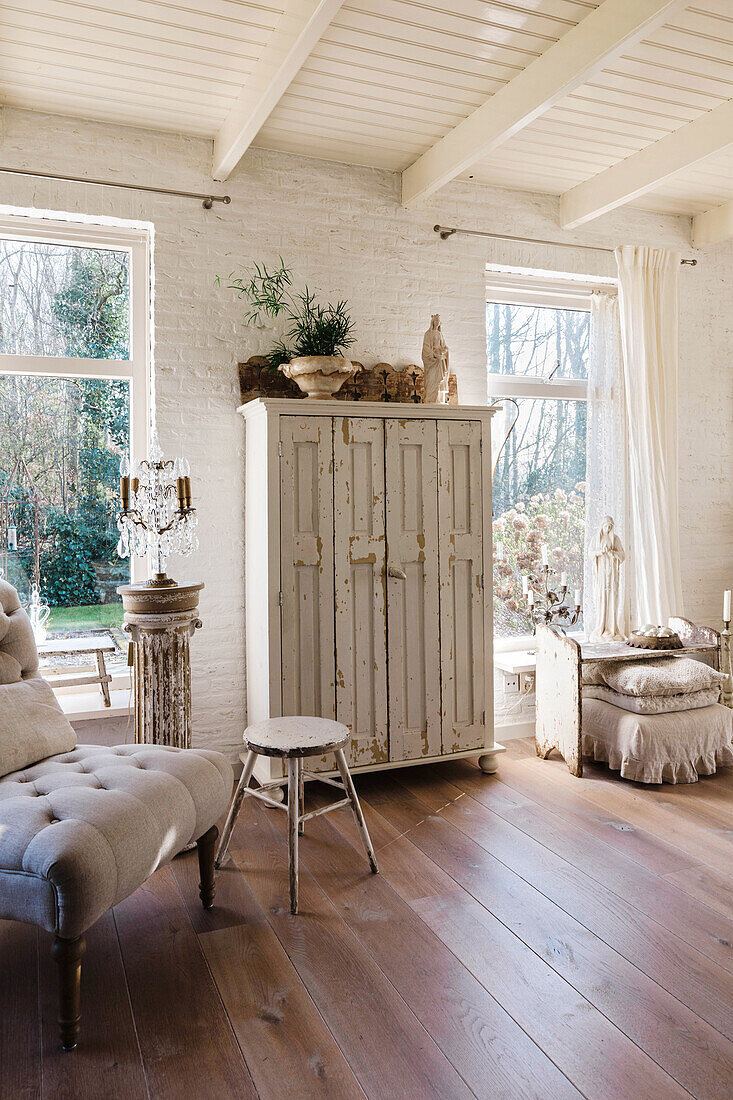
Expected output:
(295, 737)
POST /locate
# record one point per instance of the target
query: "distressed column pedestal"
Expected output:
(161, 620)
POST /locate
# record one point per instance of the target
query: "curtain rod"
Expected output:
(446, 232)
(207, 200)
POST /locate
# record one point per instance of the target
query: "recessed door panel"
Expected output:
(460, 517)
(359, 548)
(413, 623)
(306, 566)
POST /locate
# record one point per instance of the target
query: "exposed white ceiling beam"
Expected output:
(650, 167)
(713, 226)
(568, 63)
(299, 29)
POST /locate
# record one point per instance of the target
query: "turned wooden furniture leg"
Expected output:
(301, 794)
(235, 807)
(206, 845)
(293, 770)
(104, 678)
(67, 954)
(348, 783)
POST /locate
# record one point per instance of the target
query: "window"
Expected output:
(537, 345)
(74, 351)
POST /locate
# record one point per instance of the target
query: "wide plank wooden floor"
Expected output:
(529, 935)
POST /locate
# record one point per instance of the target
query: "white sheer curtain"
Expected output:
(606, 451)
(649, 311)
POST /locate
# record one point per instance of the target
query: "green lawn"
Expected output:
(91, 617)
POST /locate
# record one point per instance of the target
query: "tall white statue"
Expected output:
(435, 363)
(608, 553)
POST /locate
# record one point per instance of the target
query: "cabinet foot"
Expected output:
(489, 760)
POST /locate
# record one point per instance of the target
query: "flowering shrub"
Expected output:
(554, 519)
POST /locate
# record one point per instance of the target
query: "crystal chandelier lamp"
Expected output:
(156, 518)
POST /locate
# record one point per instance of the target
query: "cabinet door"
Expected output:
(412, 589)
(460, 519)
(306, 566)
(359, 551)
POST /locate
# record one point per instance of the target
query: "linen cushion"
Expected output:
(81, 831)
(32, 725)
(658, 748)
(665, 676)
(10, 670)
(654, 704)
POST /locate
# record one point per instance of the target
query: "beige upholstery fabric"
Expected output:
(654, 704)
(32, 725)
(659, 748)
(81, 831)
(662, 676)
(16, 636)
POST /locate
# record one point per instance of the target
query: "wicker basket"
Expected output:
(640, 642)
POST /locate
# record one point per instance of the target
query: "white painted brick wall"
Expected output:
(343, 229)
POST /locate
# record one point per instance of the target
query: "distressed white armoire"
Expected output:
(368, 576)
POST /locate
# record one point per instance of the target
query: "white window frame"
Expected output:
(556, 291)
(137, 242)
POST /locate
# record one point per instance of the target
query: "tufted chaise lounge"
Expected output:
(83, 826)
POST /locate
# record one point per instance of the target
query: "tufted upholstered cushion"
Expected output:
(16, 635)
(32, 725)
(81, 831)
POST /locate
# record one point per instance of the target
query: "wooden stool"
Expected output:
(293, 739)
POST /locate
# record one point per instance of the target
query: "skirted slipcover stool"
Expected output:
(83, 826)
(293, 739)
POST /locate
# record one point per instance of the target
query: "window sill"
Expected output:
(82, 706)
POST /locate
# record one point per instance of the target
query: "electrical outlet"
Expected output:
(511, 683)
(527, 684)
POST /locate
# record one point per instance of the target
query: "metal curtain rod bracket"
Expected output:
(446, 232)
(207, 201)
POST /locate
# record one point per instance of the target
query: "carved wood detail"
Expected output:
(380, 383)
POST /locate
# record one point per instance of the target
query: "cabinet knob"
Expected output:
(395, 571)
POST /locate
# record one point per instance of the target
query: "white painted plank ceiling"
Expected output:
(386, 81)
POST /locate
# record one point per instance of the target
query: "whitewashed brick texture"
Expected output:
(343, 230)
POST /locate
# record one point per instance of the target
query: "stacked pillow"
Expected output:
(653, 687)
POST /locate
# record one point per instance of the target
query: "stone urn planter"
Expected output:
(319, 376)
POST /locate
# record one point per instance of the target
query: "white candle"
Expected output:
(726, 605)
(530, 598)
(525, 585)
(499, 551)
(578, 594)
(564, 580)
(545, 555)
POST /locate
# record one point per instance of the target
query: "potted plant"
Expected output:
(311, 352)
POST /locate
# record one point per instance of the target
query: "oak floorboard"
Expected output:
(711, 887)
(698, 1057)
(591, 1051)
(649, 893)
(610, 792)
(187, 1042)
(20, 1025)
(286, 1044)
(107, 1060)
(529, 785)
(492, 1053)
(691, 977)
(387, 1048)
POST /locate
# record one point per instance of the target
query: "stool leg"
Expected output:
(235, 807)
(348, 782)
(301, 794)
(293, 770)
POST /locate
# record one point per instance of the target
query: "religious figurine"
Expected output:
(435, 362)
(607, 555)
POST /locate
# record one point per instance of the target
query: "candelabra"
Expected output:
(547, 605)
(157, 517)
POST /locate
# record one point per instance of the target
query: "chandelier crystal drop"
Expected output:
(157, 517)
